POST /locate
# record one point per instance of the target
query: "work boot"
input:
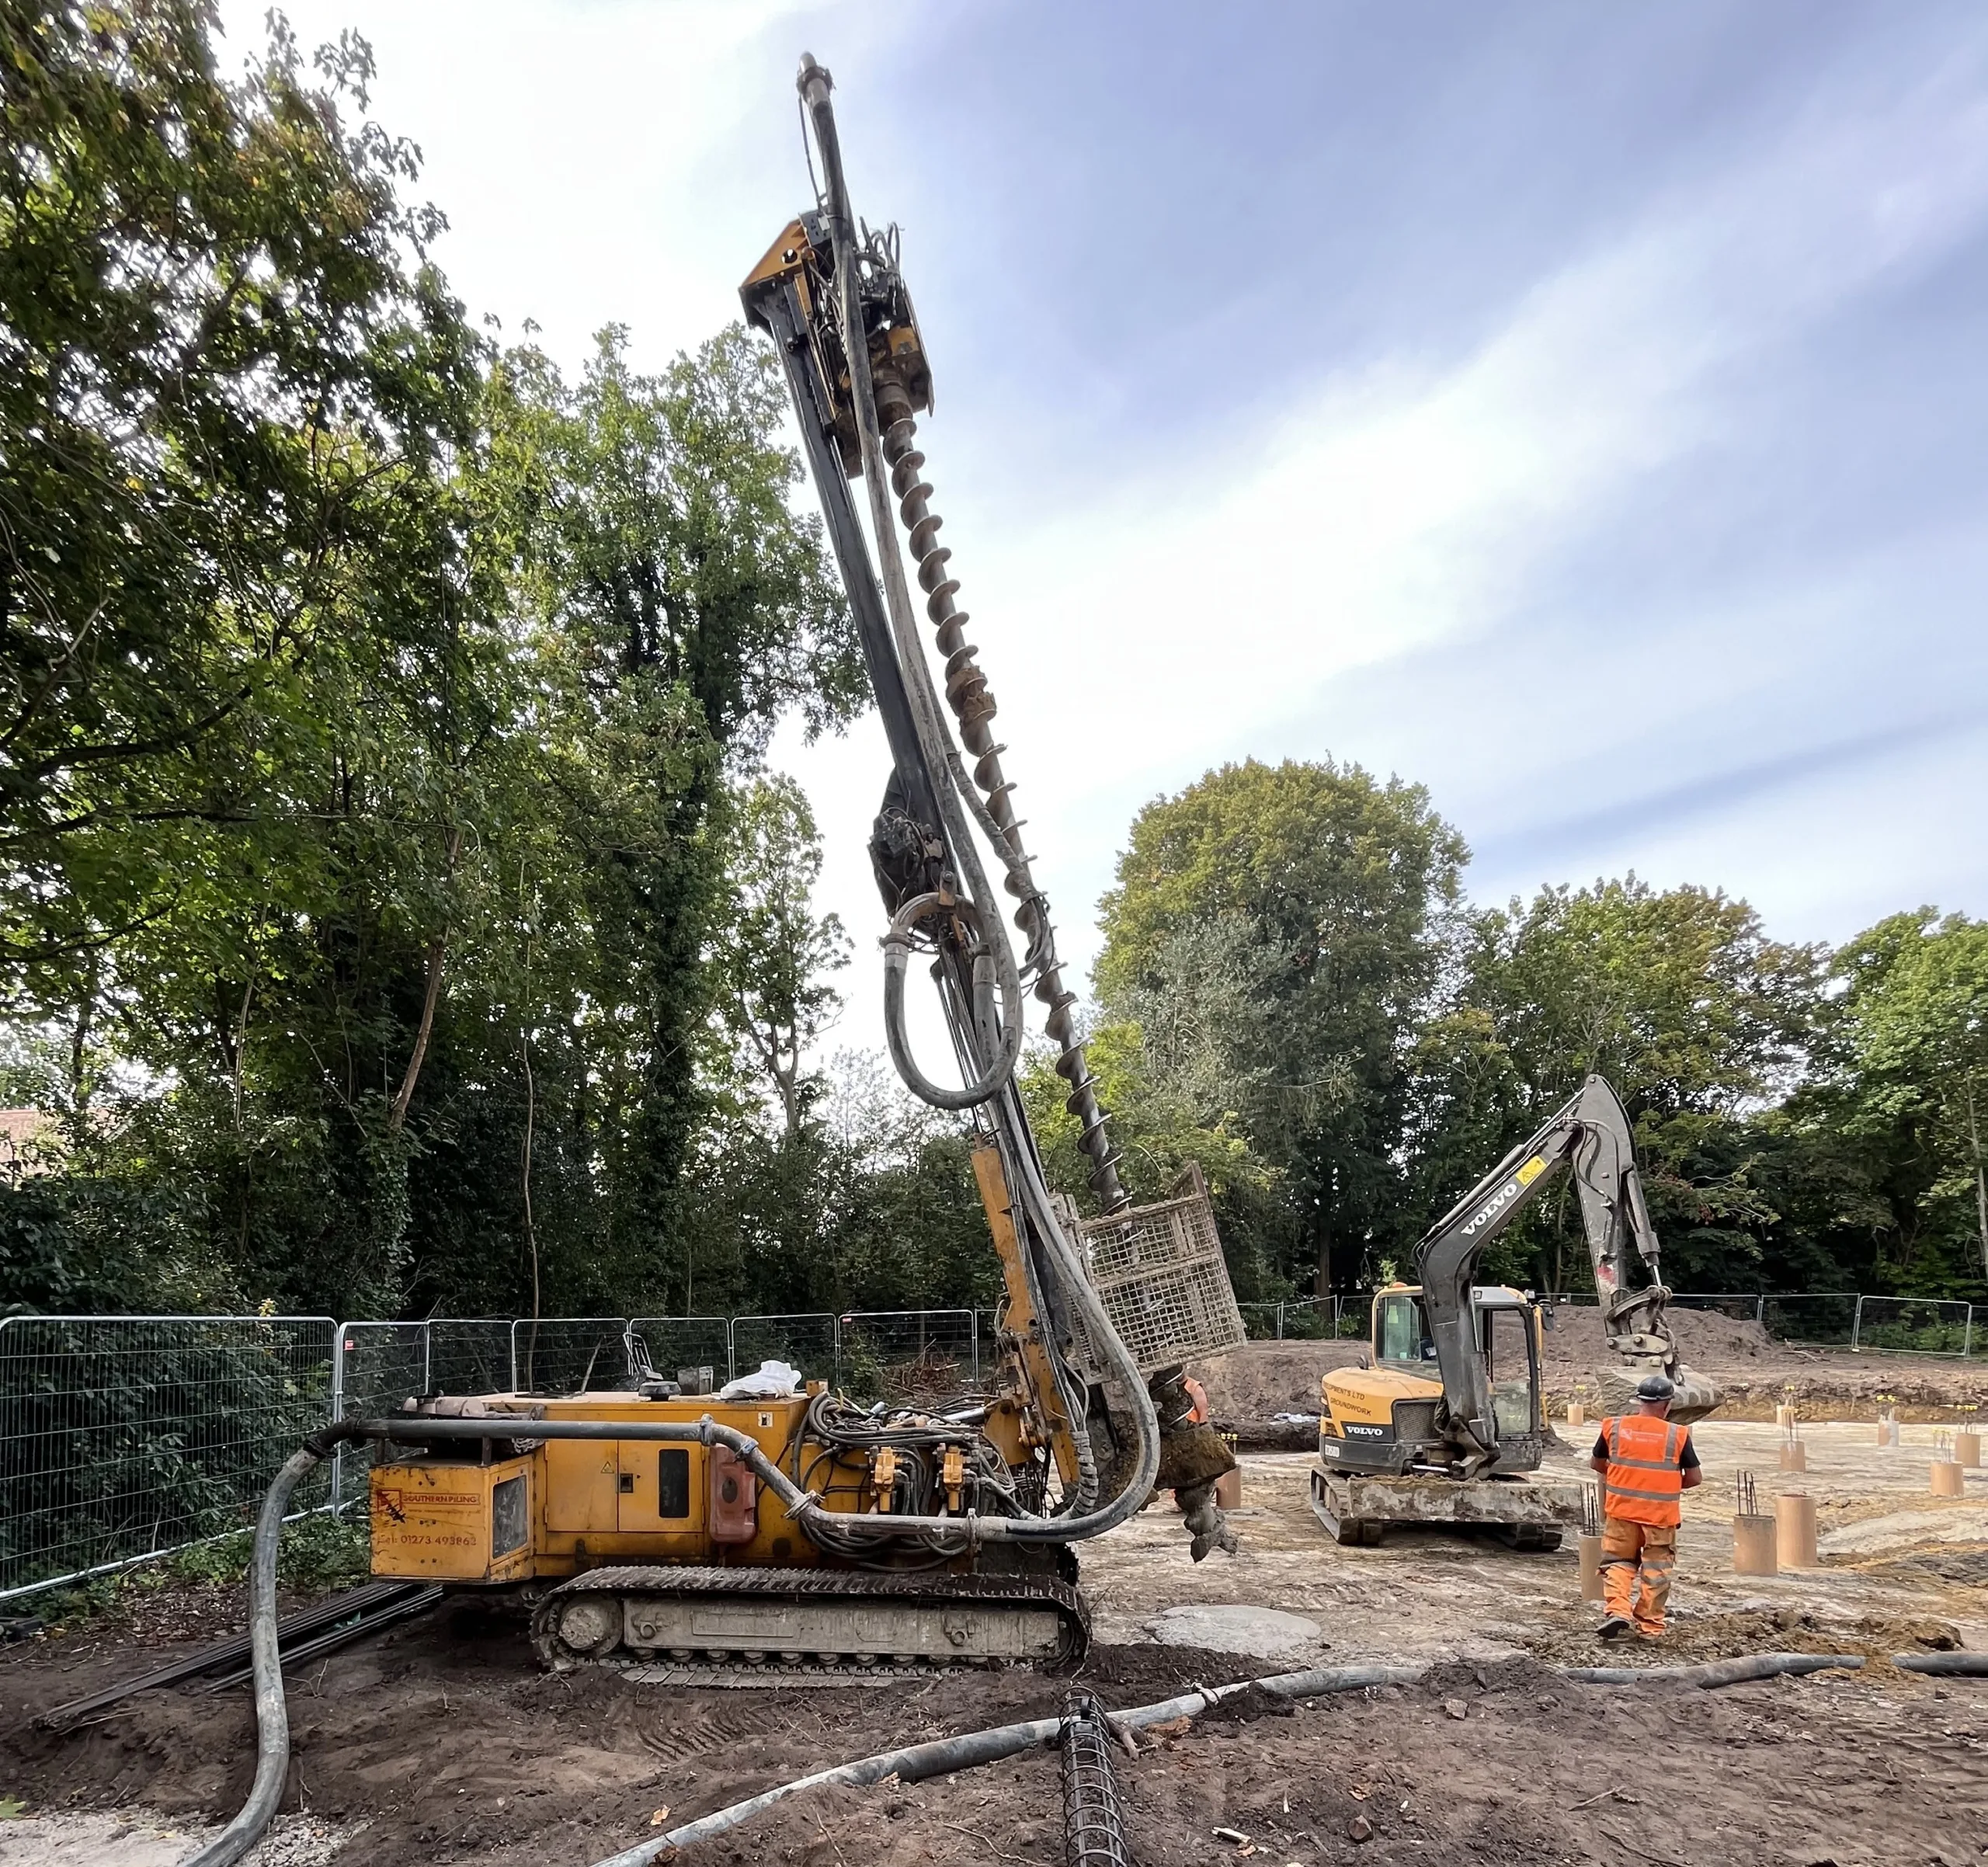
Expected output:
(1613, 1627)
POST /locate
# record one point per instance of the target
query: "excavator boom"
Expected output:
(1590, 1134)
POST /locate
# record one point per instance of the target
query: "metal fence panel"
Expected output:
(1261, 1322)
(469, 1355)
(677, 1342)
(1914, 1325)
(921, 1355)
(122, 1438)
(1740, 1306)
(1818, 1319)
(807, 1342)
(570, 1354)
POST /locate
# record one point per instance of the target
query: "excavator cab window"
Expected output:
(1509, 1366)
(1400, 1333)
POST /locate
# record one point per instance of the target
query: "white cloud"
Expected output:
(1181, 617)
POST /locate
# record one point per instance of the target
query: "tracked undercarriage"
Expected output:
(809, 1621)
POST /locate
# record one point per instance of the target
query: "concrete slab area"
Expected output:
(1894, 1558)
(1265, 1633)
(92, 1839)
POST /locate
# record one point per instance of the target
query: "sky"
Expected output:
(1577, 411)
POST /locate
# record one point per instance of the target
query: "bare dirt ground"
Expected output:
(441, 1743)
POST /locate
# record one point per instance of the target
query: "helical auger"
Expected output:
(972, 702)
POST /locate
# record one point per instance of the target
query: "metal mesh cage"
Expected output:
(1160, 1271)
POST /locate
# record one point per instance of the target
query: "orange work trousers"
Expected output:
(1637, 1560)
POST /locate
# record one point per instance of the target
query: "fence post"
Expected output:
(1760, 1309)
(1857, 1323)
(973, 1337)
(514, 1354)
(1967, 1335)
(1280, 1322)
(338, 1413)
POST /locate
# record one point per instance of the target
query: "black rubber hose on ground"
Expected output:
(1943, 1666)
(1714, 1673)
(947, 1755)
(272, 1715)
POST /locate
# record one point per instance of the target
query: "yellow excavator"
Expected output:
(785, 1526)
(1445, 1422)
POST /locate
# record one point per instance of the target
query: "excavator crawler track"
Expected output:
(738, 1626)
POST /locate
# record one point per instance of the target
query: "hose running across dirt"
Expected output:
(938, 1758)
(946, 1754)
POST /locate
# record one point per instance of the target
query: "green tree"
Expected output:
(1275, 932)
(229, 387)
(772, 954)
(675, 606)
(1680, 998)
(1901, 1098)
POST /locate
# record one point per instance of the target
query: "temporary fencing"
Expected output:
(123, 1438)
(1308, 1319)
(1914, 1325)
(921, 1355)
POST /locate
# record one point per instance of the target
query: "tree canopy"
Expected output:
(398, 914)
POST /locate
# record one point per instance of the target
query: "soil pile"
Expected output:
(1248, 1388)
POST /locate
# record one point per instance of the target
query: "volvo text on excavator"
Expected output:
(1447, 1423)
(799, 1528)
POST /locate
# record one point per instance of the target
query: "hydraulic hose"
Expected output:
(946, 1754)
(1943, 1666)
(897, 956)
(1715, 1673)
(944, 766)
(272, 1714)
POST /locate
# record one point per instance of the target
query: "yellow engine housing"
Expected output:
(580, 1504)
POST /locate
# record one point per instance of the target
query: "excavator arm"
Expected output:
(1589, 1135)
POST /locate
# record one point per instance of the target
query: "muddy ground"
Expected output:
(440, 1741)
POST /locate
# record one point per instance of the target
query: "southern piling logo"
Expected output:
(1505, 1195)
(391, 1502)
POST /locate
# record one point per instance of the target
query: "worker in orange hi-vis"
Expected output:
(1646, 1464)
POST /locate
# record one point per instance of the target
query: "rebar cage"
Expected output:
(1160, 1272)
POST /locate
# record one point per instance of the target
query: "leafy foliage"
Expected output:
(1275, 931)
(396, 916)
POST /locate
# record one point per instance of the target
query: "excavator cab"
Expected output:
(1383, 1455)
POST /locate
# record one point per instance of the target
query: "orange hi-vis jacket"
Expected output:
(1645, 1483)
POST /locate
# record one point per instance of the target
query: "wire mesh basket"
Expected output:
(1160, 1271)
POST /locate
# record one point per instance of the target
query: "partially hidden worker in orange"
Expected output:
(1646, 1464)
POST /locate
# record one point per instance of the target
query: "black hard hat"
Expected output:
(1656, 1387)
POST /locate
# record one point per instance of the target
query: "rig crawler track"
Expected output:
(795, 1623)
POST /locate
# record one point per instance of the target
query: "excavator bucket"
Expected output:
(1698, 1395)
